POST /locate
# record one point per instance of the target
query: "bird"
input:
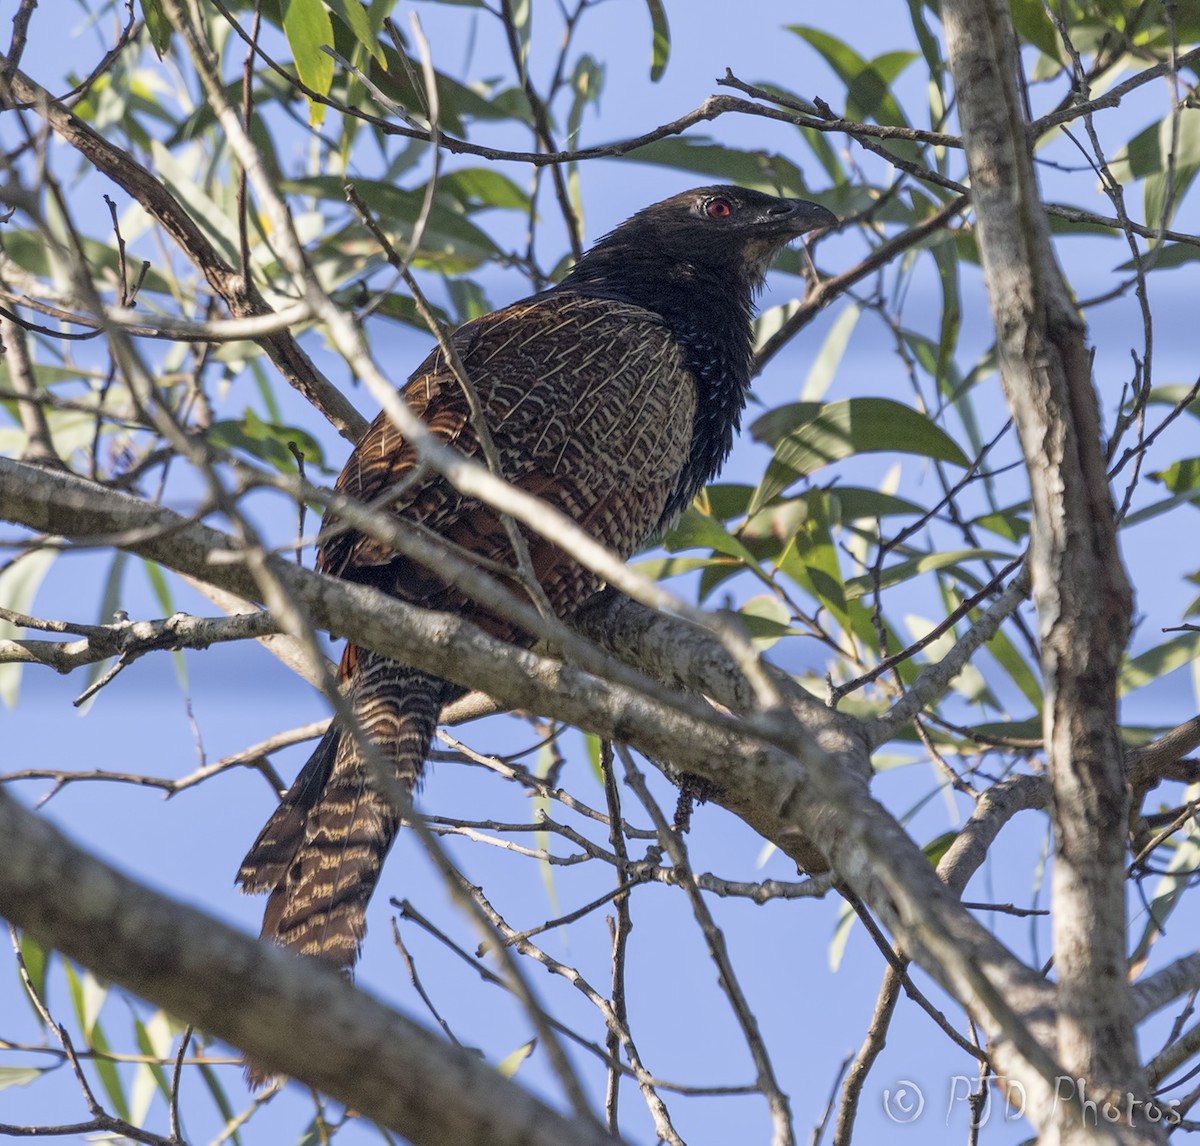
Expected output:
(615, 395)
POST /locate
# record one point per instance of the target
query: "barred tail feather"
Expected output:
(321, 852)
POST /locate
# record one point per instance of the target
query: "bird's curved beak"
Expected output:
(799, 216)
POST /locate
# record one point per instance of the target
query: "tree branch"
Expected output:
(1080, 590)
(792, 784)
(287, 1014)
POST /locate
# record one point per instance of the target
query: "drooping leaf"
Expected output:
(1009, 657)
(20, 1075)
(815, 550)
(1178, 878)
(1166, 257)
(358, 20)
(696, 530)
(162, 592)
(110, 1076)
(1172, 395)
(760, 170)
(511, 1063)
(157, 25)
(37, 964)
(1035, 27)
(154, 1040)
(938, 847)
(1158, 661)
(479, 187)
(1167, 146)
(19, 584)
(449, 239)
(309, 32)
(868, 82)
(661, 49)
(829, 357)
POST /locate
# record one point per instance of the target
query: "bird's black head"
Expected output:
(711, 239)
(696, 260)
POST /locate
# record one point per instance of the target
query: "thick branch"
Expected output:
(287, 1014)
(1080, 589)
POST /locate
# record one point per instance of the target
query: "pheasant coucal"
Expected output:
(614, 396)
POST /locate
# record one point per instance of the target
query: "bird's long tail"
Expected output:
(320, 853)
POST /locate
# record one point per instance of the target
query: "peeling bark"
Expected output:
(1079, 585)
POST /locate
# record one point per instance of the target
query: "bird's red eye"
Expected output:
(719, 208)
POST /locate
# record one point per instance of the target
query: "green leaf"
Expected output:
(309, 31)
(766, 619)
(450, 240)
(841, 935)
(1035, 27)
(166, 602)
(220, 1099)
(1181, 477)
(19, 584)
(1160, 660)
(726, 499)
(1149, 512)
(938, 847)
(179, 172)
(37, 962)
(927, 562)
(821, 374)
(479, 187)
(1011, 524)
(775, 425)
(814, 549)
(110, 1076)
(587, 81)
(661, 48)
(696, 530)
(1010, 659)
(1179, 878)
(930, 45)
(20, 1075)
(591, 743)
(868, 83)
(520, 13)
(1166, 257)
(355, 17)
(660, 568)
(157, 25)
(1146, 157)
(759, 170)
(850, 503)
(1173, 395)
(947, 262)
(805, 441)
(266, 441)
(154, 1040)
(511, 1063)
